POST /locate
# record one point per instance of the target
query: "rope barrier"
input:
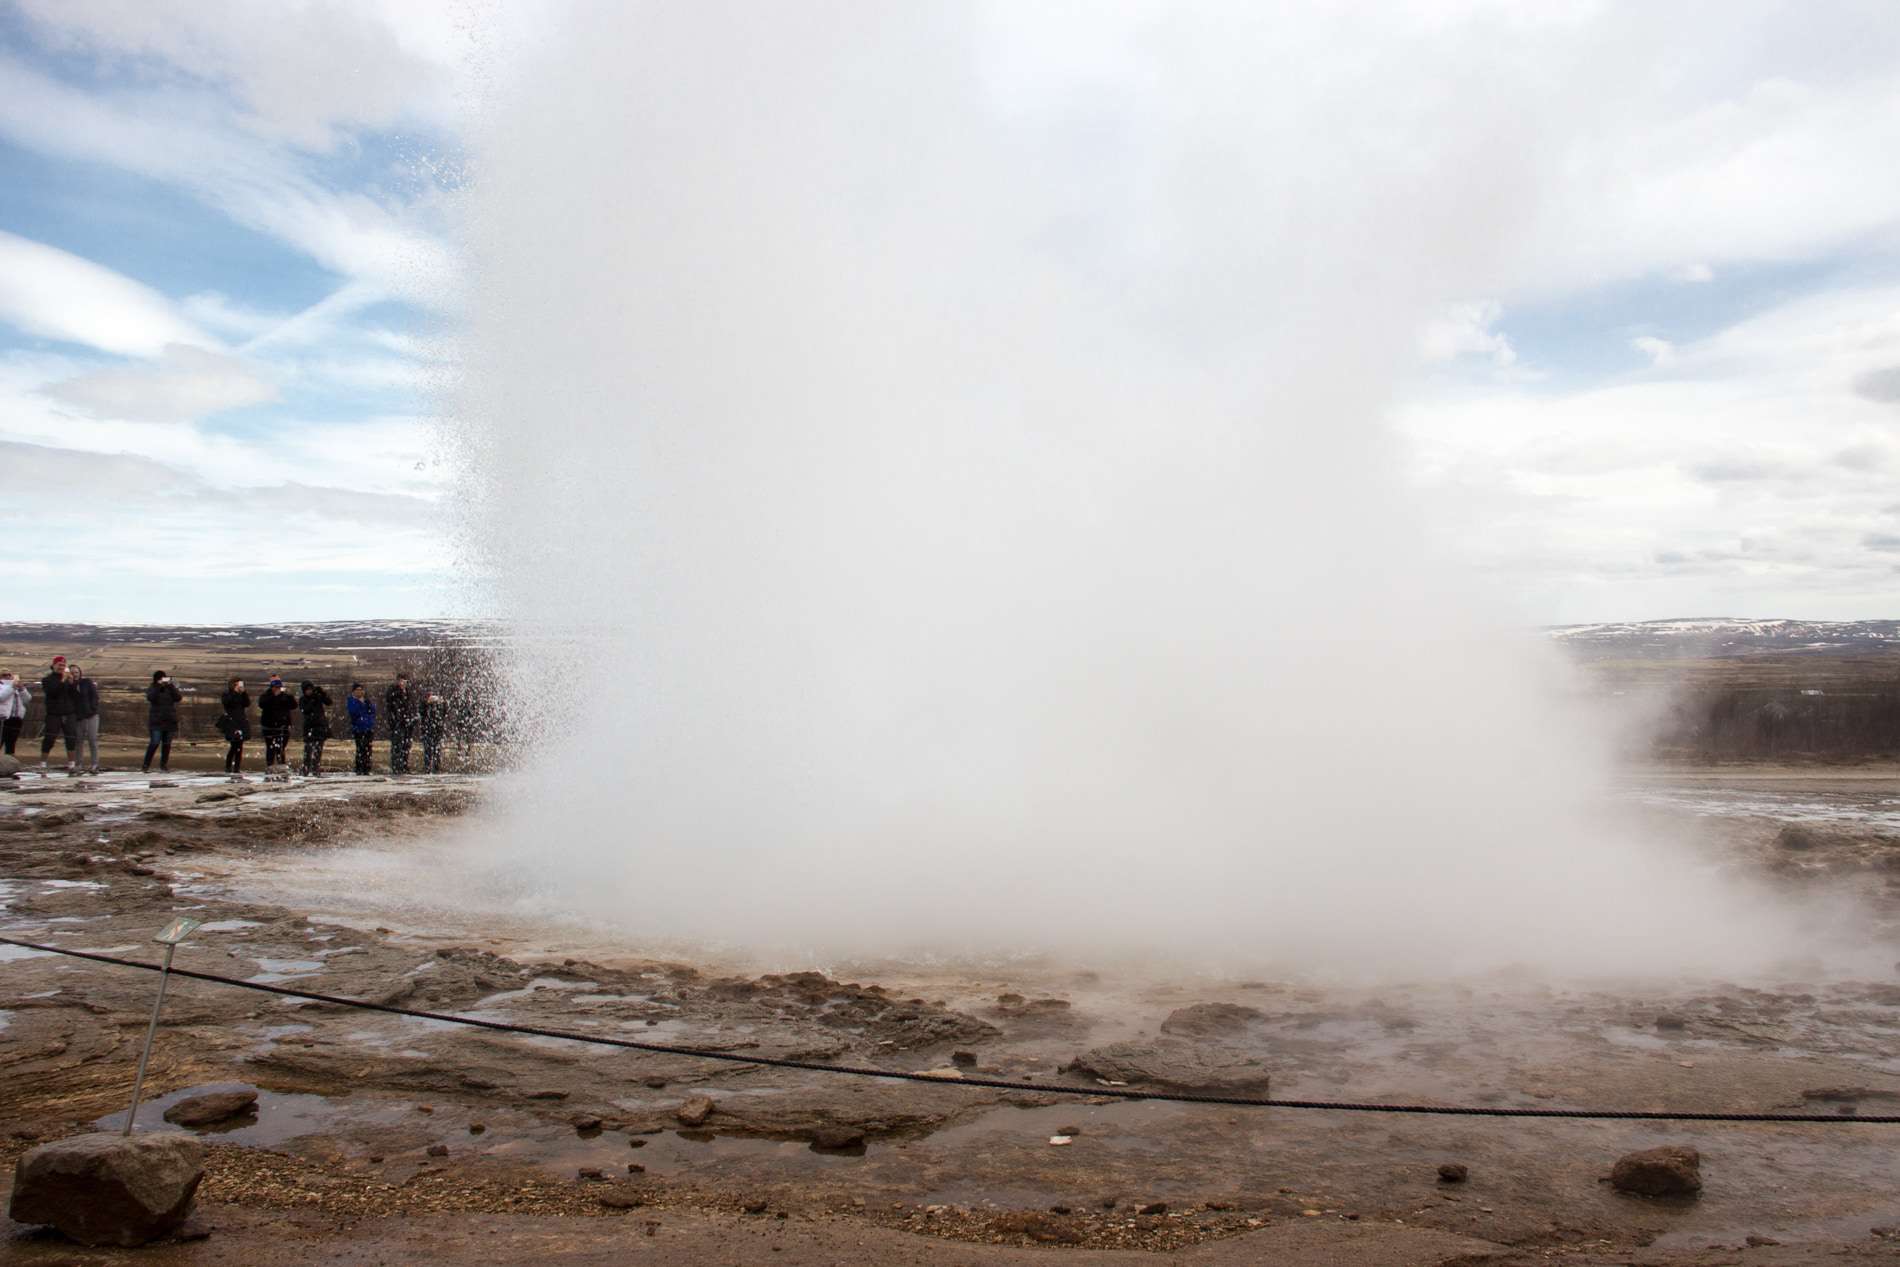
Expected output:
(998, 1084)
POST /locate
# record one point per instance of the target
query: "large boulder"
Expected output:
(1172, 1064)
(212, 1107)
(1211, 1020)
(107, 1188)
(1669, 1171)
(9, 766)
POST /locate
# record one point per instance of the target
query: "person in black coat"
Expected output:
(234, 723)
(273, 715)
(399, 714)
(56, 696)
(161, 717)
(314, 702)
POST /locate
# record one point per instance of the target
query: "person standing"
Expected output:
(85, 697)
(162, 698)
(432, 719)
(400, 716)
(14, 697)
(55, 696)
(235, 723)
(273, 716)
(314, 702)
(362, 724)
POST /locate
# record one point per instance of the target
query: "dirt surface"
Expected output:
(383, 1139)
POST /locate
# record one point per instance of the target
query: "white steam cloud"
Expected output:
(933, 458)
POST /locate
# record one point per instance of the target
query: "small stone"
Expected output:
(1669, 1171)
(1757, 1242)
(636, 1142)
(109, 1189)
(476, 1128)
(1058, 1209)
(695, 1111)
(425, 1108)
(585, 1122)
(620, 1199)
(755, 1207)
(1060, 1141)
(1153, 1207)
(438, 1150)
(214, 1106)
(964, 1059)
(1453, 1172)
(1070, 1131)
(1109, 1203)
(547, 1094)
(478, 1084)
(654, 1083)
(591, 1172)
(1670, 1021)
(375, 1159)
(635, 1168)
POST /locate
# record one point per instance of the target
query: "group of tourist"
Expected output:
(71, 703)
(72, 712)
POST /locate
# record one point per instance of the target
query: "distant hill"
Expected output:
(389, 635)
(1703, 637)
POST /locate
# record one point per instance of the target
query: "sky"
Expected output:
(230, 290)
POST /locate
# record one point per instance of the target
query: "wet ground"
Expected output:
(566, 1150)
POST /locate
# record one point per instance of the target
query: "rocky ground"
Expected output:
(378, 1138)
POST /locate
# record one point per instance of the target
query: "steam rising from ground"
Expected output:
(933, 459)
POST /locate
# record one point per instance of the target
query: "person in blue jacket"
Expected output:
(362, 724)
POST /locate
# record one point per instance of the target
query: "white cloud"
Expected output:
(1751, 475)
(185, 384)
(285, 63)
(57, 295)
(1661, 352)
(1467, 329)
(185, 138)
(1694, 273)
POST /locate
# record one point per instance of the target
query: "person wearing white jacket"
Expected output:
(14, 697)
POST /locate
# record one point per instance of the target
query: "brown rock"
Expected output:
(107, 1188)
(695, 1111)
(214, 1106)
(1211, 1020)
(1669, 1171)
(438, 1150)
(1453, 1172)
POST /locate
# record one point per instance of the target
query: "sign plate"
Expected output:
(176, 931)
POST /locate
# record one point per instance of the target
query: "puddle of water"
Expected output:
(279, 970)
(283, 1118)
(9, 954)
(72, 884)
(228, 925)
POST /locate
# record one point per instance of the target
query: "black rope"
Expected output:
(999, 1084)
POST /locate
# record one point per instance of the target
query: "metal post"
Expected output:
(151, 1032)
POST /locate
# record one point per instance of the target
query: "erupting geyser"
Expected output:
(933, 460)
